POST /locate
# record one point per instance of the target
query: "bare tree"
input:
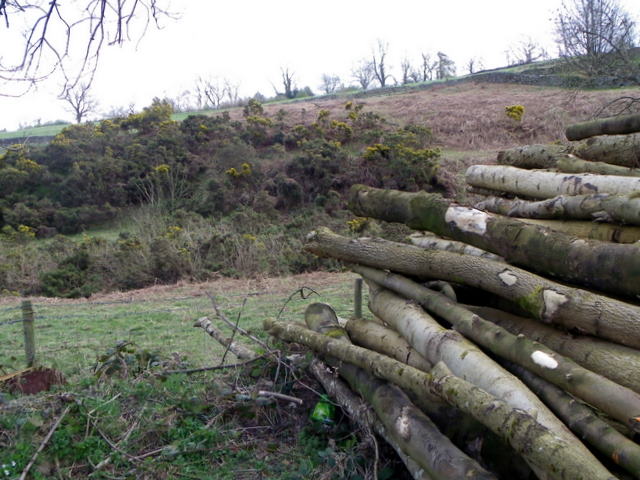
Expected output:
(287, 83)
(428, 67)
(209, 92)
(379, 63)
(45, 37)
(231, 90)
(596, 37)
(79, 101)
(526, 51)
(330, 83)
(473, 65)
(409, 74)
(363, 73)
(446, 67)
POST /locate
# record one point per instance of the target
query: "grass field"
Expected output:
(71, 333)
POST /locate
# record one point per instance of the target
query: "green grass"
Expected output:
(42, 131)
(70, 334)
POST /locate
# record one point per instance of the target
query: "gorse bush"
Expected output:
(233, 189)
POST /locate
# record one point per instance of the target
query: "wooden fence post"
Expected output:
(29, 335)
(357, 298)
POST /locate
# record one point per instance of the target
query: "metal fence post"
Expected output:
(357, 298)
(29, 335)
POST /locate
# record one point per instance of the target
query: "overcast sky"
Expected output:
(248, 41)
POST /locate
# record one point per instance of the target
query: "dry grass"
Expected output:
(470, 116)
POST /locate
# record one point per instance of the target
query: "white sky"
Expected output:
(248, 41)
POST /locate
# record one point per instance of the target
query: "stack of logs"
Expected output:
(524, 332)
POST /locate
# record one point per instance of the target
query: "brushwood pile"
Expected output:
(503, 337)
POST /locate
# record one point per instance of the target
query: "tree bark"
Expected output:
(411, 429)
(602, 232)
(584, 422)
(619, 402)
(384, 340)
(432, 242)
(557, 157)
(537, 444)
(361, 414)
(617, 362)
(604, 126)
(623, 150)
(605, 266)
(541, 184)
(236, 348)
(599, 206)
(544, 299)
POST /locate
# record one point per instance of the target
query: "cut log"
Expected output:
(603, 232)
(604, 126)
(411, 429)
(462, 357)
(605, 266)
(600, 206)
(361, 413)
(623, 150)
(384, 340)
(584, 422)
(619, 402)
(236, 348)
(432, 242)
(617, 362)
(556, 157)
(537, 444)
(541, 184)
(544, 299)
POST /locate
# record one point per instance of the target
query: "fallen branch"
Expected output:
(239, 350)
(280, 396)
(604, 126)
(44, 442)
(216, 367)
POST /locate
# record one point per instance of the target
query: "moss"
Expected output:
(531, 302)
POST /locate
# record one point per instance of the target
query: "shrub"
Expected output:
(514, 112)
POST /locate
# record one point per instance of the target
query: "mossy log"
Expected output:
(617, 362)
(603, 232)
(542, 184)
(236, 348)
(377, 337)
(461, 356)
(548, 301)
(584, 422)
(604, 126)
(430, 241)
(559, 459)
(604, 266)
(411, 429)
(623, 150)
(361, 413)
(556, 157)
(619, 402)
(599, 206)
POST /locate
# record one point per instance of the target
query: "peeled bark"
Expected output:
(617, 362)
(604, 126)
(361, 414)
(384, 340)
(584, 422)
(557, 157)
(544, 299)
(604, 266)
(411, 429)
(623, 150)
(537, 444)
(236, 348)
(602, 232)
(619, 402)
(541, 184)
(600, 206)
(432, 242)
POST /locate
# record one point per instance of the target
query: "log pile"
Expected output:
(488, 328)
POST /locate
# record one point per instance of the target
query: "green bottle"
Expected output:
(324, 411)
